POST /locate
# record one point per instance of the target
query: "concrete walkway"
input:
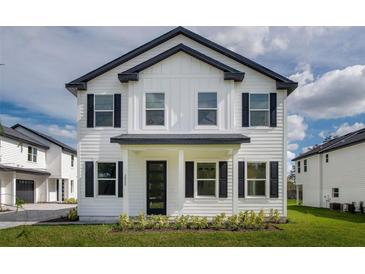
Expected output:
(33, 213)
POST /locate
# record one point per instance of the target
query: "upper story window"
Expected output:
(106, 179)
(327, 158)
(155, 109)
(32, 154)
(72, 160)
(305, 166)
(259, 109)
(72, 186)
(335, 192)
(298, 166)
(104, 110)
(206, 178)
(207, 108)
(256, 179)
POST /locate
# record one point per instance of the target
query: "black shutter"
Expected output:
(241, 179)
(117, 109)
(89, 179)
(189, 179)
(120, 179)
(273, 103)
(245, 110)
(223, 174)
(274, 179)
(90, 110)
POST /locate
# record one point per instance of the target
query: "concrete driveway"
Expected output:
(33, 213)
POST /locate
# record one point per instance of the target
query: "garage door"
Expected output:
(25, 190)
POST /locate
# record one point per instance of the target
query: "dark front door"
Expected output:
(156, 187)
(25, 190)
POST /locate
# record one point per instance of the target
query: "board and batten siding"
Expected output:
(180, 77)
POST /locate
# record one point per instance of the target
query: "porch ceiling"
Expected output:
(180, 139)
(24, 170)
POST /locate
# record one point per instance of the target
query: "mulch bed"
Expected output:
(60, 220)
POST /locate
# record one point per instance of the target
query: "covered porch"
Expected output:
(175, 175)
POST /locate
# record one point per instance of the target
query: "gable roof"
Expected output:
(349, 139)
(229, 72)
(48, 138)
(18, 136)
(81, 82)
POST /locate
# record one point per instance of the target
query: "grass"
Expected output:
(307, 227)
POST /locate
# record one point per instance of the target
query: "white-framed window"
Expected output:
(106, 178)
(72, 160)
(256, 179)
(335, 192)
(32, 154)
(305, 165)
(207, 108)
(327, 158)
(206, 178)
(259, 109)
(155, 109)
(72, 186)
(298, 166)
(104, 110)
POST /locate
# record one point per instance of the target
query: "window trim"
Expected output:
(216, 192)
(96, 180)
(305, 165)
(197, 110)
(95, 110)
(267, 180)
(268, 109)
(144, 102)
(333, 192)
(33, 148)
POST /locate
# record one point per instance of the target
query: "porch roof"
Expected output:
(179, 139)
(24, 170)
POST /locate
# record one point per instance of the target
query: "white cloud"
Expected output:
(296, 128)
(68, 131)
(323, 134)
(304, 76)
(305, 149)
(335, 94)
(347, 128)
(290, 156)
(292, 147)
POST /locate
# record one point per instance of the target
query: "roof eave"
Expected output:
(289, 86)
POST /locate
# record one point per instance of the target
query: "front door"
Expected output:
(156, 187)
(25, 190)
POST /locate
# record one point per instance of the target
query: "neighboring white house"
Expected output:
(333, 172)
(35, 167)
(181, 125)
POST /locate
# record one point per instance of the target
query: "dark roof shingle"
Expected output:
(16, 135)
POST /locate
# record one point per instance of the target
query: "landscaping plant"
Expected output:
(219, 221)
(159, 222)
(70, 201)
(260, 219)
(141, 222)
(276, 216)
(124, 222)
(252, 220)
(198, 222)
(181, 222)
(233, 222)
(72, 215)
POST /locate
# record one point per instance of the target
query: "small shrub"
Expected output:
(72, 215)
(233, 222)
(140, 222)
(19, 204)
(243, 219)
(219, 221)
(159, 222)
(277, 216)
(198, 222)
(124, 222)
(271, 216)
(260, 219)
(70, 201)
(181, 222)
(252, 219)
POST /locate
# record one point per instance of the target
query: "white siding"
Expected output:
(14, 153)
(180, 77)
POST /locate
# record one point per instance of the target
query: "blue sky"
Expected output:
(328, 62)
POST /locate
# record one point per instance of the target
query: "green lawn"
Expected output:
(307, 227)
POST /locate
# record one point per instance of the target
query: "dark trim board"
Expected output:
(132, 73)
(81, 82)
(166, 139)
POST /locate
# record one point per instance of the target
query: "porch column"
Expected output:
(234, 180)
(13, 189)
(47, 191)
(125, 156)
(180, 181)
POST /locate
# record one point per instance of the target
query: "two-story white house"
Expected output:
(332, 172)
(35, 167)
(181, 125)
